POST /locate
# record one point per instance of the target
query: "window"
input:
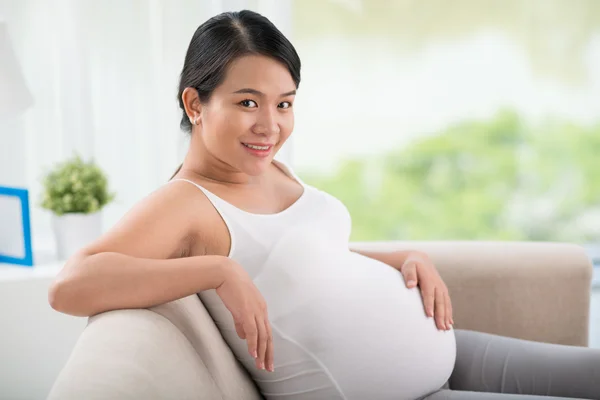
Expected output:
(453, 120)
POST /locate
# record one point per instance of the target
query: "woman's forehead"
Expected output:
(260, 73)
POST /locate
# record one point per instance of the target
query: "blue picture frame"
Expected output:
(23, 196)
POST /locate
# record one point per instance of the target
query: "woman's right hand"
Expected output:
(249, 310)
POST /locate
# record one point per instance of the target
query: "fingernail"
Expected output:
(271, 368)
(254, 354)
(430, 312)
(410, 283)
(261, 365)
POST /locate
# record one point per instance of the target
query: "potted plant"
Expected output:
(75, 192)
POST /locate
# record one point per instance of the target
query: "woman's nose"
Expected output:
(267, 124)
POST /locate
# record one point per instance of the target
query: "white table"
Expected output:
(35, 340)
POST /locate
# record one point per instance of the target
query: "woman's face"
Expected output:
(249, 116)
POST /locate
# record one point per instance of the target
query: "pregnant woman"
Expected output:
(269, 255)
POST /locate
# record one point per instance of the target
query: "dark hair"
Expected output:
(224, 38)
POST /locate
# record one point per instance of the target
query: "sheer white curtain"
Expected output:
(104, 78)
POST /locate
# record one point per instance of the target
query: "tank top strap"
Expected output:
(223, 208)
(251, 237)
(216, 201)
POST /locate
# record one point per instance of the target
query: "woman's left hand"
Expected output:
(418, 269)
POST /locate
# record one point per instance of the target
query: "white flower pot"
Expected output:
(75, 230)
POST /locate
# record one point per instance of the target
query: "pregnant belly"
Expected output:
(356, 316)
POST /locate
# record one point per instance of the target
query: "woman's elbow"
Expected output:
(55, 293)
(61, 299)
(62, 293)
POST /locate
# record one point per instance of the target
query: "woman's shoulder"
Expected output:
(207, 233)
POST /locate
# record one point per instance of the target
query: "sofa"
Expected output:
(528, 290)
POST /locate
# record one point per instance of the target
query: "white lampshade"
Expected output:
(14, 94)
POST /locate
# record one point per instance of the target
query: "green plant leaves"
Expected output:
(75, 186)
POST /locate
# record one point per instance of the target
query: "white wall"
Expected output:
(12, 153)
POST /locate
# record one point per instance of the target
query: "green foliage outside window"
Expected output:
(501, 179)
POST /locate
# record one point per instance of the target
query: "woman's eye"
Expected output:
(248, 103)
(285, 104)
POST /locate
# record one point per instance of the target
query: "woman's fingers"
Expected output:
(448, 303)
(440, 309)
(262, 342)
(239, 329)
(269, 354)
(409, 271)
(428, 295)
(251, 334)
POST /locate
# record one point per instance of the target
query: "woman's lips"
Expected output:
(258, 149)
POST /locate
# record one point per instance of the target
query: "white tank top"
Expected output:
(344, 325)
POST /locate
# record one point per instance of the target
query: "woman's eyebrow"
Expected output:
(259, 93)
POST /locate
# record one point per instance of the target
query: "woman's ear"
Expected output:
(192, 105)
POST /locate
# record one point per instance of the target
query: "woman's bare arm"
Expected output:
(139, 263)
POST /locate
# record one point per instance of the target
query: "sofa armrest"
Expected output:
(132, 354)
(171, 351)
(528, 290)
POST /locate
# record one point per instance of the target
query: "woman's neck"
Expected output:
(201, 164)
